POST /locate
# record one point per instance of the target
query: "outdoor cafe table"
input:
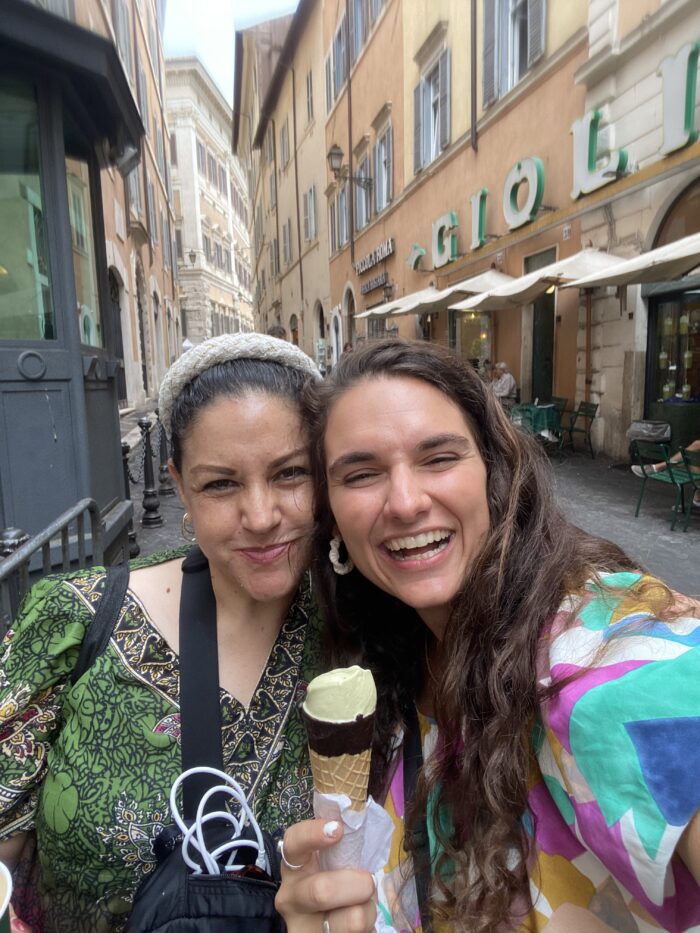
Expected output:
(537, 419)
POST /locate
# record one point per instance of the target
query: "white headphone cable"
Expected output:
(193, 836)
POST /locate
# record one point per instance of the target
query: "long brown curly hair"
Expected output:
(488, 698)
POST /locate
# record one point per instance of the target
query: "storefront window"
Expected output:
(83, 251)
(677, 360)
(476, 339)
(26, 306)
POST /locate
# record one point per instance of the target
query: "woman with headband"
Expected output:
(84, 781)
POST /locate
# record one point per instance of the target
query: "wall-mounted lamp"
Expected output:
(335, 164)
(388, 290)
(193, 256)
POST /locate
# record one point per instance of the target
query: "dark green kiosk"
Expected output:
(66, 112)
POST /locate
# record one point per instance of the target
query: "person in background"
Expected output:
(556, 684)
(503, 385)
(675, 459)
(276, 330)
(347, 347)
(86, 768)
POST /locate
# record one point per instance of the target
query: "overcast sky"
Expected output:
(206, 28)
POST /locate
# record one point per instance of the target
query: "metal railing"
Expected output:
(17, 550)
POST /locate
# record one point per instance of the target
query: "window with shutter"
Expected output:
(417, 130)
(143, 97)
(362, 195)
(514, 40)
(489, 68)
(343, 216)
(305, 201)
(329, 84)
(333, 239)
(389, 165)
(444, 86)
(309, 97)
(535, 31)
(312, 213)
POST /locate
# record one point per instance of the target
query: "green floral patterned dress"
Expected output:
(89, 766)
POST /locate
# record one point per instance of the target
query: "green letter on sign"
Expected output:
(527, 170)
(445, 239)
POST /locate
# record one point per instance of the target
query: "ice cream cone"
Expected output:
(343, 774)
(339, 717)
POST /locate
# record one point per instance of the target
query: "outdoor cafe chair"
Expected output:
(560, 404)
(648, 453)
(578, 422)
(691, 459)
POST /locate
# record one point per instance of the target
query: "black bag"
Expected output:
(174, 899)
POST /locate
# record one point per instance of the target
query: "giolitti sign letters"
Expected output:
(524, 185)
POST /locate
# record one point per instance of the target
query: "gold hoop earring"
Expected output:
(187, 529)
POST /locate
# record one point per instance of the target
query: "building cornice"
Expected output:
(609, 59)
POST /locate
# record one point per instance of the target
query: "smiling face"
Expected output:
(407, 488)
(245, 483)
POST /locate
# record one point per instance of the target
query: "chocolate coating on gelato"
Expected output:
(339, 738)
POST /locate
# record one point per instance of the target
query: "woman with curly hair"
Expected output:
(557, 685)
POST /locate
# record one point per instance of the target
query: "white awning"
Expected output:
(434, 299)
(658, 265)
(440, 300)
(528, 288)
(389, 306)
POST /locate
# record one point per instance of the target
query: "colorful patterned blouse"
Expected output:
(617, 775)
(90, 766)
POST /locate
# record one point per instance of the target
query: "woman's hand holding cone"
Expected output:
(307, 896)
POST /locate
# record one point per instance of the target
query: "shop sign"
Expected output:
(375, 282)
(376, 255)
(679, 77)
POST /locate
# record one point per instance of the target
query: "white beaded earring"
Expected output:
(334, 556)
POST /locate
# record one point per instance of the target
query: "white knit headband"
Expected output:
(220, 350)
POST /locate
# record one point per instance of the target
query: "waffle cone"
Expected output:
(343, 774)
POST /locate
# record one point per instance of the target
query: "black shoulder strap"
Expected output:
(200, 709)
(412, 763)
(100, 629)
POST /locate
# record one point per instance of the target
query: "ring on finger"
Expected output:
(326, 928)
(280, 849)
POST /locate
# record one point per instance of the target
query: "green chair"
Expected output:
(648, 453)
(691, 461)
(578, 422)
(560, 405)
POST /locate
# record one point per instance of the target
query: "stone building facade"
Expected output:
(211, 206)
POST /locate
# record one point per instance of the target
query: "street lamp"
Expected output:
(193, 256)
(388, 290)
(335, 164)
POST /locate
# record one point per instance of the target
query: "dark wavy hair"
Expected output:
(488, 698)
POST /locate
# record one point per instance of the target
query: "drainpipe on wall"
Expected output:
(277, 199)
(296, 186)
(351, 185)
(473, 53)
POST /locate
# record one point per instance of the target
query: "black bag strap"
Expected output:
(412, 763)
(100, 629)
(200, 709)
